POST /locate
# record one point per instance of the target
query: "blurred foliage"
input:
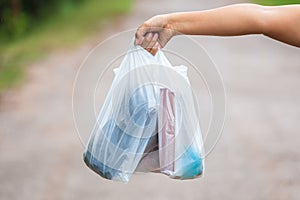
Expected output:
(42, 26)
(18, 16)
(276, 2)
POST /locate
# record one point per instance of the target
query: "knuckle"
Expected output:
(146, 24)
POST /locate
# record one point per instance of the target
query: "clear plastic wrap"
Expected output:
(148, 122)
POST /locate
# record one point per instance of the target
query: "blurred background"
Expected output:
(42, 45)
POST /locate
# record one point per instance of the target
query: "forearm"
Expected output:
(278, 22)
(231, 20)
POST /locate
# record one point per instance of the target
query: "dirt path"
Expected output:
(257, 157)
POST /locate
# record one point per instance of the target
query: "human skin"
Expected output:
(281, 23)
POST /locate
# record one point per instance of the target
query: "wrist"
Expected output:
(170, 23)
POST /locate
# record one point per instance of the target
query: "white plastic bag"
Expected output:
(132, 122)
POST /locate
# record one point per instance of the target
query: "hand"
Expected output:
(154, 33)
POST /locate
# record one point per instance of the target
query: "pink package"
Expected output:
(166, 131)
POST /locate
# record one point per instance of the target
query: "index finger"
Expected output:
(139, 35)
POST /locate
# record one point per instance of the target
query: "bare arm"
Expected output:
(278, 22)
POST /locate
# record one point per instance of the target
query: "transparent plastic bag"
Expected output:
(147, 123)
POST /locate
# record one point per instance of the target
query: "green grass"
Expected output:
(60, 31)
(276, 2)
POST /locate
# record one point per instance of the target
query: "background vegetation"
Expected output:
(276, 2)
(29, 29)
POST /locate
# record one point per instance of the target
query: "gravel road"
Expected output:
(258, 156)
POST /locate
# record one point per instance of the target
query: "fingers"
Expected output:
(153, 25)
(140, 34)
(146, 41)
(151, 35)
(147, 37)
(154, 49)
(143, 30)
(152, 42)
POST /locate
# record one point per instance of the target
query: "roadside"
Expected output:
(64, 30)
